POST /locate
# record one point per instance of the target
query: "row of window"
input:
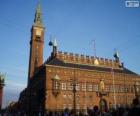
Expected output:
(83, 87)
(70, 96)
(93, 87)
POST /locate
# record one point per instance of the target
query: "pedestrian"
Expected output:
(135, 111)
(66, 112)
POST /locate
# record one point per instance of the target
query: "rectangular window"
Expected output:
(69, 86)
(127, 89)
(70, 96)
(83, 87)
(78, 98)
(70, 106)
(121, 88)
(89, 87)
(132, 89)
(111, 88)
(64, 87)
(64, 106)
(77, 106)
(56, 85)
(107, 88)
(77, 87)
(64, 96)
(95, 87)
(37, 38)
(116, 88)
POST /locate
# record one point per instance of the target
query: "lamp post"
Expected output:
(74, 96)
(74, 93)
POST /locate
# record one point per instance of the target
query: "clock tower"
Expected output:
(36, 44)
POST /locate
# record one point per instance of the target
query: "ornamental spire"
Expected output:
(116, 55)
(38, 16)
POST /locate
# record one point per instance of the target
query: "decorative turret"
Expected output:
(54, 45)
(116, 56)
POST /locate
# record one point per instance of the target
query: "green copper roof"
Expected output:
(56, 77)
(38, 16)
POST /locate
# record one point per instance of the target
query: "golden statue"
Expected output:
(101, 85)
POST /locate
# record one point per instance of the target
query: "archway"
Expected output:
(103, 105)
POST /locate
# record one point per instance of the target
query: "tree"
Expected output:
(2, 79)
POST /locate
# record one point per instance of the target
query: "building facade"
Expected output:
(67, 80)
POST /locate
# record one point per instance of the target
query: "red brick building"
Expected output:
(73, 80)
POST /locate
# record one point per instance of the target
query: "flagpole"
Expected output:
(114, 88)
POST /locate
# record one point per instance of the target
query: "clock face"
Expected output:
(38, 32)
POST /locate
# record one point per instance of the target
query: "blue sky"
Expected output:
(74, 23)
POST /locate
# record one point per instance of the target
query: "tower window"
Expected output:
(37, 38)
(38, 18)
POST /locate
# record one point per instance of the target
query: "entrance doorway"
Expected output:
(103, 105)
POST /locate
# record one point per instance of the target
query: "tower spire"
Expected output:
(36, 44)
(38, 15)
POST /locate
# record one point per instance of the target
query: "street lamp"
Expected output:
(74, 96)
(74, 93)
